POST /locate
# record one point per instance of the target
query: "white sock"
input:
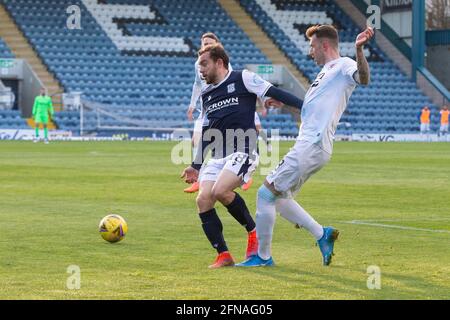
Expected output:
(293, 212)
(194, 152)
(265, 221)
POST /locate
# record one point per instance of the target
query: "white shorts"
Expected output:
(424, 127)
(444, 128)
(239, 163)
(198, 125)
(303, 160)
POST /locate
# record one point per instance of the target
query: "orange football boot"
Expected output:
(247, 185)
(193, 188)
(224, 259)
(252, 244)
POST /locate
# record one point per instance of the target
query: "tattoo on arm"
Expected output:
(363, 67)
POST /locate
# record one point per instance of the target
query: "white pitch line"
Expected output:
(393, 226)
(405, 220)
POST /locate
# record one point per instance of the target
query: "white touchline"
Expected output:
(404, 220)
(393, 226)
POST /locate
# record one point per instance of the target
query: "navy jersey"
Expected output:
(230, 106)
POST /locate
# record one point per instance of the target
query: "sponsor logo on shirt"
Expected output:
(257, 80)
(229, 102)
(231, 88)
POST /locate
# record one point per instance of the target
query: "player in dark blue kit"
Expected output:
(229, 103)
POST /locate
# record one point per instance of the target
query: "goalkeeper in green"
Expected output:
(42, 109)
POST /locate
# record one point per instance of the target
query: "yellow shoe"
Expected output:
(193, 188)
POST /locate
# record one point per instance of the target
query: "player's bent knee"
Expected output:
(266, 194)
(204, 202)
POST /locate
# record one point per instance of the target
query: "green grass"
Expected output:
(53, 196)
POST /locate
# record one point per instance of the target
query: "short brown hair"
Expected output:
(211, 36)
(323, 31)
(216, 52)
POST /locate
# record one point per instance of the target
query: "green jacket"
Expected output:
(42, 106)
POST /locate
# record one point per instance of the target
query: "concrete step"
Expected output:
(19, 45)
(24, 51)
(9, 35)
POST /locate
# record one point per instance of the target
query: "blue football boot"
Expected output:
(256, 261)
(326, 244)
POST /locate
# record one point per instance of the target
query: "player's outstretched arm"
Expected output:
(196, 93)
(190, 174)
(190, 113)
(279, 95)
(363, 74)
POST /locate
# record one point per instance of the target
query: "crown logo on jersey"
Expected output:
(231, 88)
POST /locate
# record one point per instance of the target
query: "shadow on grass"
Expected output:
(334, 284)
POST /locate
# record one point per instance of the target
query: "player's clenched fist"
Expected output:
(364, 37)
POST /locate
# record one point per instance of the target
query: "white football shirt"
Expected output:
(326, 101)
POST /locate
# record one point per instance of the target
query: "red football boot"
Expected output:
(224, 259)
(252, 244)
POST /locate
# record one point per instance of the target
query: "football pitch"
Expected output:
(390, 201)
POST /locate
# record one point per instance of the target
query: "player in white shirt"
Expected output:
(322, 108)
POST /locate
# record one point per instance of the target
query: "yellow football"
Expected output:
(113, 228)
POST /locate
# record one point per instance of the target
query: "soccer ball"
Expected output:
(113, 228)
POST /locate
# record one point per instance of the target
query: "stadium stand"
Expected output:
(5, 52)
(136, 59)
(9, 118)
(389, 105)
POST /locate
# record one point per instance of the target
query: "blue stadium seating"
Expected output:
(9, 119)
(140, 63)
(152, 86)
(5, 52)
(390, 104)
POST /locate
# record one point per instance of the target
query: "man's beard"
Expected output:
(211, 79)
